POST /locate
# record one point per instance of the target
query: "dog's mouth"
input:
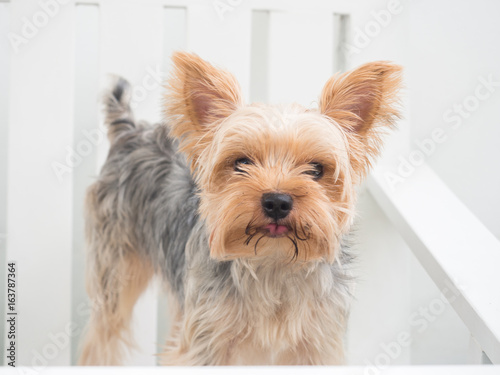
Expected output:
(275, 230)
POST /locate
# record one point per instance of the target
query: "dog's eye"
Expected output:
(316, 170)
(241, 162)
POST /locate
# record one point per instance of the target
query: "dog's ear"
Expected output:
(362, 102)
(198, 97)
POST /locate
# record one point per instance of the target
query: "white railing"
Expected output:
(458, 252)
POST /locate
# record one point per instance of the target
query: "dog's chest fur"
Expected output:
(267, 311)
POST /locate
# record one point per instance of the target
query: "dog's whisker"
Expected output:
(250, 237)
(307, 228)
(296, 248)
(250, 226)
(297, 235)
(257, 242)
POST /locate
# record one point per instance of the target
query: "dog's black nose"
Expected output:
(277, 206)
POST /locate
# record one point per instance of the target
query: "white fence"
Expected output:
(51, 148)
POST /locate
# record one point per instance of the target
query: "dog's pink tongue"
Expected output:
(276, 230)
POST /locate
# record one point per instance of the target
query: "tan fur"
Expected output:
(108, 336)
(363, 101)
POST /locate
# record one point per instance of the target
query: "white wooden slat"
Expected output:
(88, 136)
(301, 56)
(145, 329)
(341, 28)
(222, 40)
(164, 320)
(259, 79)
(174, 32)
(39, 210)
(454, 247)
(174, 39)
(131, 46)
(4, 132)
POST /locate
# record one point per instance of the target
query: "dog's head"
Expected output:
(278, 180)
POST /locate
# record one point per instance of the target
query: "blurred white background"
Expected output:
(428, 218)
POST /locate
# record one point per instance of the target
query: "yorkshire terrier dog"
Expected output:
(240, 209)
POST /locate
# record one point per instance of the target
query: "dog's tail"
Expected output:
(118, 115)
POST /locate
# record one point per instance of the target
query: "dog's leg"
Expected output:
(114, 288)
(195, 340)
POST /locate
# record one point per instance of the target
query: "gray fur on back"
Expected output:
(150, 186)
